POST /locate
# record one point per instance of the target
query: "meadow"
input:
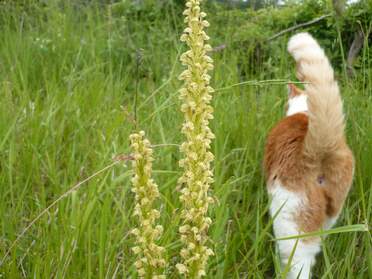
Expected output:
(72, 81)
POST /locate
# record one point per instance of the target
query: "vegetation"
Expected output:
(150, 263)
(69, 76)
(197, 159)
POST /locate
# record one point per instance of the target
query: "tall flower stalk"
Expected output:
(150, 262)
(197, 176)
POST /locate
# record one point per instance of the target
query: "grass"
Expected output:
(67, 83)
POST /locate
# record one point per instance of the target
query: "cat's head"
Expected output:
(297, 100)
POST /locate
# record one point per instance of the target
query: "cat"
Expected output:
(307, 162)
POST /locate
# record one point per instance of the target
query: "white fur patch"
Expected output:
(311, 52)
(284, 207)
(330, 222)
(297, 104)
(303, 260)
(301, 40)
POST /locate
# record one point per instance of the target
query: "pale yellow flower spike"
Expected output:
(150, 262)
(197, 176)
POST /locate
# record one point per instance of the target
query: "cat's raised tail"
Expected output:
(326, 118)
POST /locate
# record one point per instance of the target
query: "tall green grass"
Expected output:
(68, 81)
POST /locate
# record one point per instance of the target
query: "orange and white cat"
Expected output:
(308, 164)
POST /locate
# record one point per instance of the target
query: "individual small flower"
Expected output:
(181, 268)
(150, 262)
(197, 175)
(136, 250)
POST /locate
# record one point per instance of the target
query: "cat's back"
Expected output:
(284, 145)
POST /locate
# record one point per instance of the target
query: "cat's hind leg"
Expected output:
(303, 256)
(284, 209)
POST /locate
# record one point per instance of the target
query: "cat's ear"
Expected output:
(294, 91)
